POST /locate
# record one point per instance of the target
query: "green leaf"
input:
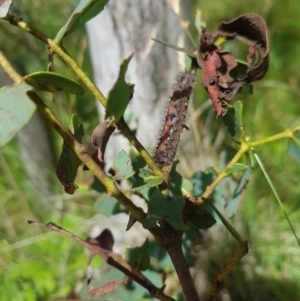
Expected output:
(4, 7)
(201, 180)
(16, 109)
(145, 179)
(120, 94)
(68, 163)
(294, 147)
(203, 219)
(233, 121)
(85, 11)
(108, 206)
(138, 257)
(132, 220)
(179, 186)
(122, 167)
(232, 205)
(169, 209)
(52, 82)
(235, 168)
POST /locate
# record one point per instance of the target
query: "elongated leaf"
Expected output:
(294, 147)
(4, 7)
(16, 109)
(85, 11)
(236, 168)
(68, 163)
(238, 192)
(139, 257)
(169, 210)
(233, 121)
(120, 94)
(52, 82)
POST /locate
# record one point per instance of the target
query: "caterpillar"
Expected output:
(174, 119)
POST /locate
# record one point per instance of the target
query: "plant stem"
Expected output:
(122, 126)
(21, 24)
(113, 259)
(8, 68)
(230, 264)
(174, 249)
(223, 174)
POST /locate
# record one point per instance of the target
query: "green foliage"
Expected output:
(68, 163)
(16, 110)
(25, 276)
(52, 82)
(85, 10)
(120, 94)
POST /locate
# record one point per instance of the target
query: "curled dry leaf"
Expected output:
(216, 77)
(254, 28)
(100, 137)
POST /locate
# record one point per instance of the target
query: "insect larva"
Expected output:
(174, 119)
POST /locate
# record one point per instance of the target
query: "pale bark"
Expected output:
(126, 26)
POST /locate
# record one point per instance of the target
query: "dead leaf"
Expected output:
(252, 27)
(108, 287)
(100, 137)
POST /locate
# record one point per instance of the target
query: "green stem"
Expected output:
(81, 152)
(223, 174)
(123, 127)
(288, 133)
(21, 24)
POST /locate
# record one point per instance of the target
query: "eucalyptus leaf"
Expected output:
(85, 11)
(52, 82)
(233, 121)
(16, 109)
(235, 168)
(120, 94)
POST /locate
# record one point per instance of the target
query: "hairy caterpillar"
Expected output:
(174, 119)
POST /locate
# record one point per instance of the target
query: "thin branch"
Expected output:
(222, 174)
(230, 264)
(174, 249)
(8, 68)
(123, 127)
(23, 25)
(114, 260)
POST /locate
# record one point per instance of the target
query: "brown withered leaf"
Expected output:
(252, 27)
(100, 137)
(108, 287)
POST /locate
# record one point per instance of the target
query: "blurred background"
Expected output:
(38, 265)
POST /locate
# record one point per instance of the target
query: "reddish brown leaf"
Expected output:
(252, 27)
